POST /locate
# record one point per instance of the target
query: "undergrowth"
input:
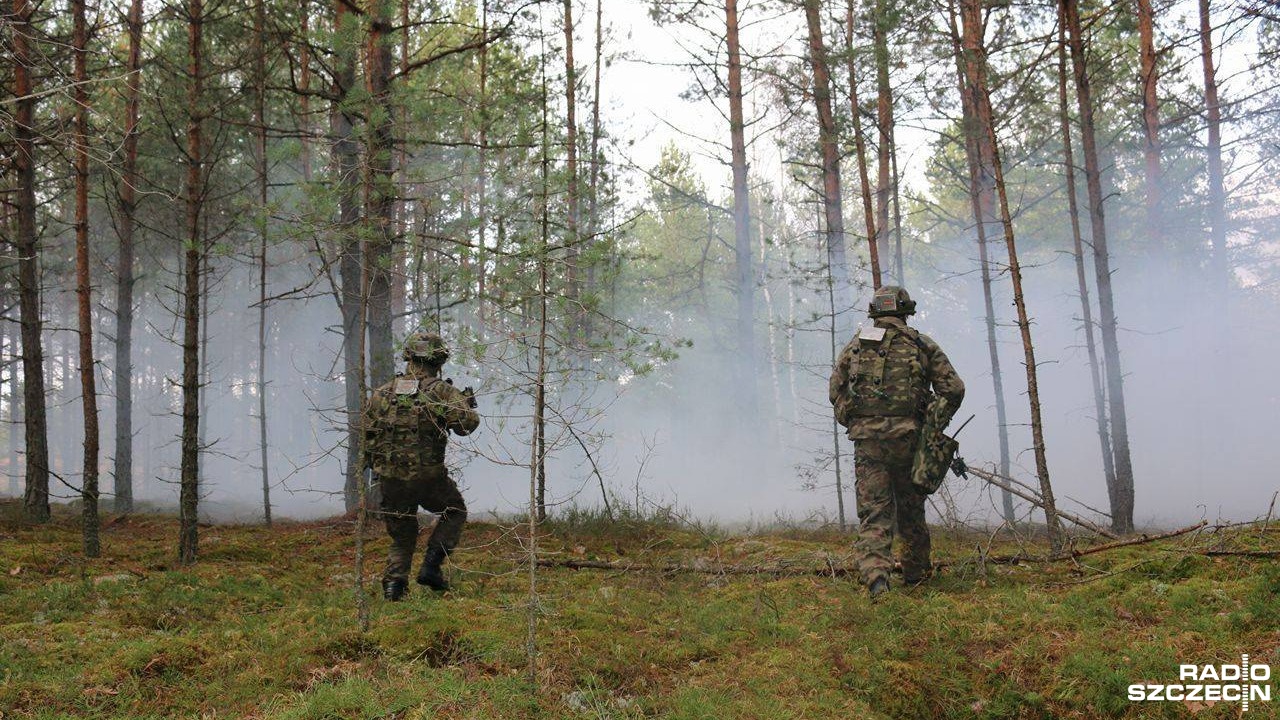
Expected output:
(264, 626)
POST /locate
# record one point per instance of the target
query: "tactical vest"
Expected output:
(403, 439)
(890, 379)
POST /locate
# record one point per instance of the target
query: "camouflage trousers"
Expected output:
(887, 498)
(435, 492)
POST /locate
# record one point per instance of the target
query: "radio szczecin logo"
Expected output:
(1244, 683)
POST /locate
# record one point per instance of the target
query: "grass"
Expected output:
(264, 626)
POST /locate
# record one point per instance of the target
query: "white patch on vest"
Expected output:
(405, 386)
(871, 334)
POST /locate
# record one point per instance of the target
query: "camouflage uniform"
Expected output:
(407, 423)
(899, 369)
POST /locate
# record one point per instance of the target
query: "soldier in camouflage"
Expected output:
(880, 386)
(406, 428)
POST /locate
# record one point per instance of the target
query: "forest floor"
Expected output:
(265, 626)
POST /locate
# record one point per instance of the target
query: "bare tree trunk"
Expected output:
(538, 467)
(381, 193)
(482, 195)
(884, 121)
(346, 169)
(36, 492)
(741, 215)
(899, 265)
(260, 119)
(1150, 121)
(1217, 193)
(1123, 520)
(976, 73)
(827, 140)
(593, 200)
(126, 198)
(189, 494)
(84, 299)
(304, 84)
(981, 202)
(1082, 283)
(860, 147)
(572, 290)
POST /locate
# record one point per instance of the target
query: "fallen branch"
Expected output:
(998, 481)
(1243, 553)
(831, 570)
(1138, 540)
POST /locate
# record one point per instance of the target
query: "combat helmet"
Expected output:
(891, 300)
(425, 346)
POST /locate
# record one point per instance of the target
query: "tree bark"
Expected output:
(1217, 192)
(1123, 520)
(593, 199)
(346, 169)
(1082, 283)
(36, 492)
(976, 73)
(741, 215)
(260, 120)
(832, 204)
(572, 290)
(304, 84)
(1149, 76)
(90, 523)
(189, 492)
(127, 202)
(884, 122)
(860, 148)
(380, 215)
(981, 202)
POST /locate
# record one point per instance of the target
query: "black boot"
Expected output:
(430, 574)
(878, 587)
(394, 588)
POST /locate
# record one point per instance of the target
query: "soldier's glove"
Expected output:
(470, 395)
(959, 468)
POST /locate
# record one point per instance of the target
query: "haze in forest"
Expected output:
(668, 421)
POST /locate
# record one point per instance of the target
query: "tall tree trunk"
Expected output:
(304, 84)
(260, 119)
(127, 201)
(538, 467)
(860, 147)
(898, 263)
(84, 299)
(827, 141)
(982, 204)
(884, 121)
(1123, 519)
(482, 194)
(593, 201)
(976, 75)
(36, 492)
(189, 493)
(1217, 192)
(380, 215)
(1150, 121)
(1082, 283)
(572, 291)
(745, 361)
(346, 169)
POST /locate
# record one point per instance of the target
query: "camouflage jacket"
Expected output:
(407, 423)
(939, 374)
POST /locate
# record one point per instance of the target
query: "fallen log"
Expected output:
(1000, 482)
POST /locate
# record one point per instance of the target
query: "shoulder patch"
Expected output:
(871, 334)
(405, 386)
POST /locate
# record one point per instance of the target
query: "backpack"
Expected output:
(397, 429)
(890, 378)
